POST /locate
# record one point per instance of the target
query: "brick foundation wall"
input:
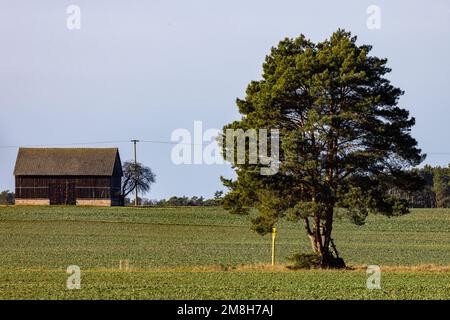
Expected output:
(32, 202)
(94, 202)
(80, 202)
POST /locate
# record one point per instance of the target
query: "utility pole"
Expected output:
(135, 167)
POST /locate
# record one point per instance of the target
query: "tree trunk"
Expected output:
(328, 226)
(320, 243)
(314, 244)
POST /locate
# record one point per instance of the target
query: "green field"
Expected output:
(190, 253)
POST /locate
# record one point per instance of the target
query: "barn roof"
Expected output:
(67, 161)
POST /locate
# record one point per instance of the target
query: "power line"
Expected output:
(63, 144)
(101, 142)
(174, 142)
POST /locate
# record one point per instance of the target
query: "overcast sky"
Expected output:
(141, 69)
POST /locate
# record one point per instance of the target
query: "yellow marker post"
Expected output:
(274, 235)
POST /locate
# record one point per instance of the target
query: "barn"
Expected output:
(68, 176)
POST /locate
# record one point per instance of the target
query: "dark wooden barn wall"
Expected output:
(86, 187)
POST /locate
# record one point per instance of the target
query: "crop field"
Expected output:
(206, 253)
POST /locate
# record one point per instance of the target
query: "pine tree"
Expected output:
(344, 142)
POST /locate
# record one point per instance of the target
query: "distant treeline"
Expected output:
(435, 194)
(6, 197)
(179, 201)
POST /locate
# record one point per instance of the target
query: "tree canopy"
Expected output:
(136, 175)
